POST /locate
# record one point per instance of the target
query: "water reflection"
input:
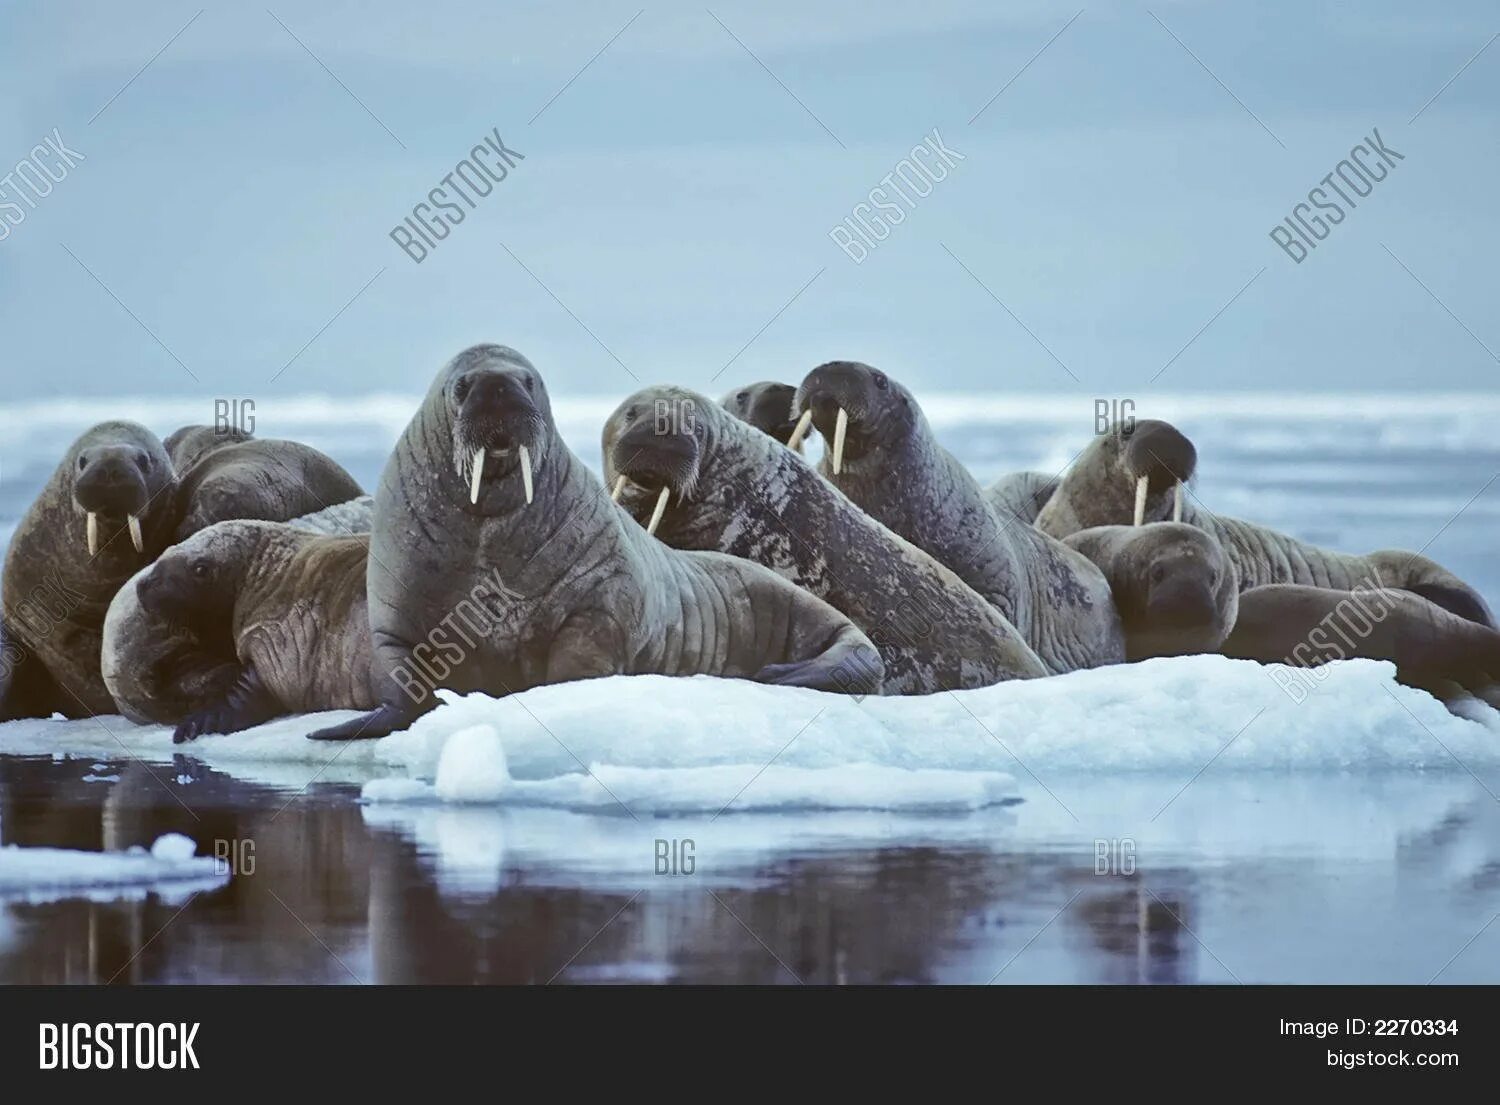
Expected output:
(341, 893)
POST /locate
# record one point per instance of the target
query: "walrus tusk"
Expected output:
(1141, 486)
(1177, 502)
(800, 430)
(661, 508)
(619, 489)
(526, 471)
(476, 474)
(93, 532)
(840, 427)
(135, 533)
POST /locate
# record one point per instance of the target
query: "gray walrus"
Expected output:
(225, 473)
(768, 407)
(160, 671)
(292, 606)
(1021, 496)
(107, 510)
(737, 491)
(1177, 591)
(485, 517)
(1129, 475)
(882, 454)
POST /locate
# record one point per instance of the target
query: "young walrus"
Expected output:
(730, 489)
(107, 510)
(294, 606)
(1135, 474)
(484, 517)
(882, 454)
(1178, 593)
(159, 671)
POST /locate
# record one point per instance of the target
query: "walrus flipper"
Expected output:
(849, 665)
(247, 704)
(379, 722)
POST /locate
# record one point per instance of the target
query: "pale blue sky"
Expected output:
(675, 196)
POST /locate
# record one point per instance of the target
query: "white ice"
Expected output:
(664, 744)
(42, 874)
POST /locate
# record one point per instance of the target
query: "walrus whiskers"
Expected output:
(476, 474)
(1142, 485)
(93, 533)
(135, 533)
(840, 428)
(1177, 502)
(661, 508)
(618, 490)
(800, 431)
(526, 471)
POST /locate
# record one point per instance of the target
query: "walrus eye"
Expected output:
(742, 396)
(880, 381)
(530, 383)
(83, 462)
(200, 570)
(1158, 574)
(461, 388)
(143, 462)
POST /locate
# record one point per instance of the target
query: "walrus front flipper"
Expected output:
(849, 665)
(1456, 600)
(379, 722)
(247, 704)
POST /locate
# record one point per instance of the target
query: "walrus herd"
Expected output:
(214, 581)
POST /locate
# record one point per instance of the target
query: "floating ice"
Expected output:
(657, 738)
(44, 874)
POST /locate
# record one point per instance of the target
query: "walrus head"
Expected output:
(188, 444)
(653, 447)
(1175, 589)
(768, 407)
(501, 421)
(194, 583)
(855, 408)
(1132, 473)
(118, 470)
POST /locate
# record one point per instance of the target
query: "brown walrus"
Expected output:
(484, 517)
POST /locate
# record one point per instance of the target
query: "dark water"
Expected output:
(338, 895)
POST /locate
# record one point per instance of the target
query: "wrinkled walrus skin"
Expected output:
(227, 474)
(567, 586)
(56, 592)
(242, 622)
(1099, 489)
(895, 470)
(739, 491)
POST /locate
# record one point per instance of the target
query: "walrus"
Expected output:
(160, 671)
(882, 454)
(1177, 591)
(734, 490)
(1020, 496)
(484, 516)
(107, 510)
(292, 605)
(1136, 473)
(226, 473)
(768, 407)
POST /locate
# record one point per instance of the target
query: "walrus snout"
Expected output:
(1161, 453)
(654, 459)
(840, 395)
(112, 480)
(498, 426)
(1182, 601)
(767, 406)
